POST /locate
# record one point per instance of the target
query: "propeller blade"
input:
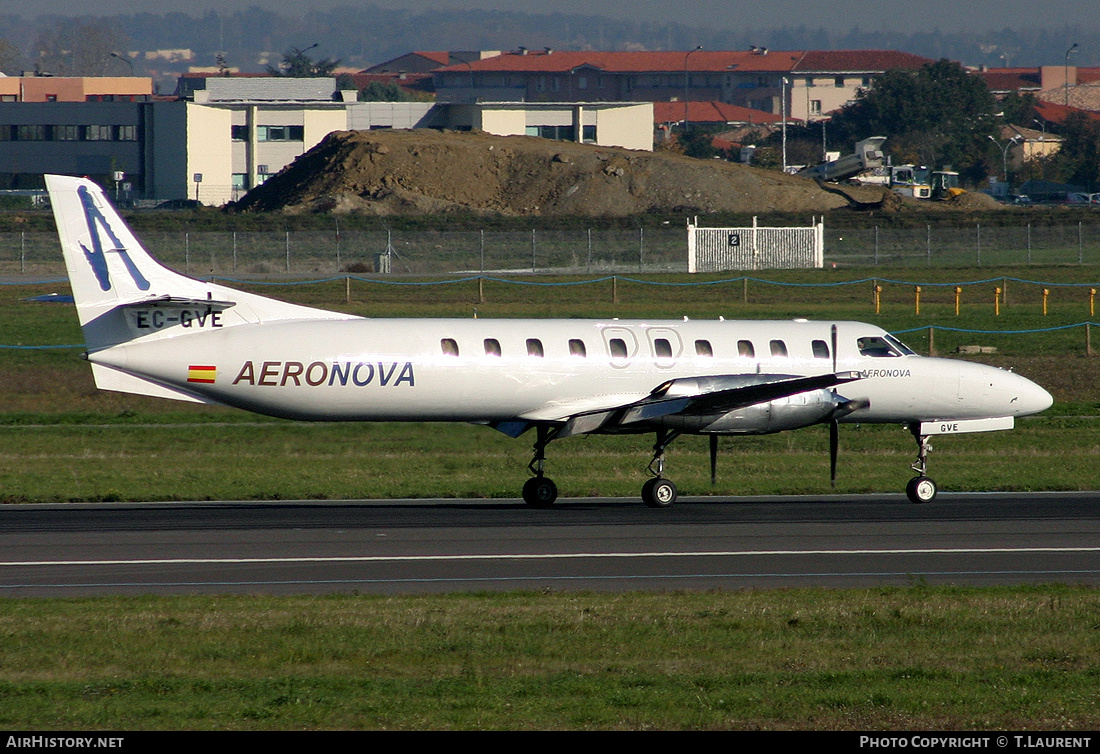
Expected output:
(834, 444)
(832, 333)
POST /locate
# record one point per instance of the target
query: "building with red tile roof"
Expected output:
(1065, 85)
(428, 61)
(812, 83)
(710, 113)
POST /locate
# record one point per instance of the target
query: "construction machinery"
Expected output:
(868, 156)
(868, 166)
(945, 185)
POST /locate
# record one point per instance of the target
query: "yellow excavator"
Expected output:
(945, 185)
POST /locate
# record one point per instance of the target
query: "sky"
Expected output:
(834, 15)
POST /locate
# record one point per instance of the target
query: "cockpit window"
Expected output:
(876, 347)
(900, 346)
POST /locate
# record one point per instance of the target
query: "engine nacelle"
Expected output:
(790, 412)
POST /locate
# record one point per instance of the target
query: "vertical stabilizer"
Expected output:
(122, 293)
(106, 264)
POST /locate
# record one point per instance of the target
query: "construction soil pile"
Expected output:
(432, 172)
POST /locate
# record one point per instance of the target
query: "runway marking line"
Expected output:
(543, 556)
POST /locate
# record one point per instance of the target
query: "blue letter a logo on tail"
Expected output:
(96, 256)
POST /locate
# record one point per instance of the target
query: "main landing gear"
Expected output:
(659, 492)
(921, 488)
(540, 491)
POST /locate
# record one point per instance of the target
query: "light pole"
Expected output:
(1065, 71)
(1009, 143)
(125, 60)
(1042, 150)
(783, 110)
(686, 56)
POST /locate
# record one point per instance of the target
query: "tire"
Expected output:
(659, 493)
(540, 492)
(921, 489)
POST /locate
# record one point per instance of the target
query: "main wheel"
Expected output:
(921, 489)
(540, 492)
(658, 493)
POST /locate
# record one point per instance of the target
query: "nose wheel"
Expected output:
(921, 488)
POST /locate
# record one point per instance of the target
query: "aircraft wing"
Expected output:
(692, 396)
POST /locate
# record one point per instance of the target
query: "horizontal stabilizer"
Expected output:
(107, 378)
(178, 302)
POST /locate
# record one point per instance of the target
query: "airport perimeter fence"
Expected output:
(618, 250)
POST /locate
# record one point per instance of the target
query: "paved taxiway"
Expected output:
(409, 546)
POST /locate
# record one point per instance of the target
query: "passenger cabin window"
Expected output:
(745, 349)
(449, 346)
(821, 349)
(492, 347)
(662, 349)
(534, 347)
(702, 348)
(779, 349)
(576, 348)
(618, 348)
(876, 348)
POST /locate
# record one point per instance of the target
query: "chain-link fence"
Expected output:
(427, 252)
(973, 245)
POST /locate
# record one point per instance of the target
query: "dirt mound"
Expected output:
(973, 201)
(433, 172)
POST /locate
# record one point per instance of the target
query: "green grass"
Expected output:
(916, 658)
(160, 460)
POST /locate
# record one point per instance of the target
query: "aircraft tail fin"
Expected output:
(122, 293)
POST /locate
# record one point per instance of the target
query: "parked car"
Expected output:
(179, 204)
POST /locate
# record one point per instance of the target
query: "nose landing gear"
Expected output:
(921, 488)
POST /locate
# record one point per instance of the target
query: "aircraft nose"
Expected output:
(1002, 393)
(1023, 396)
(1030, 398)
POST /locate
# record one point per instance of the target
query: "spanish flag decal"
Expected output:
(202, 374)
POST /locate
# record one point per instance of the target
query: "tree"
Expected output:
(938, 115)
(11, 58)
(1078, 161)
(696, 142)
(1020, 108)
(79, 48)
(377, 91)
(296, 64)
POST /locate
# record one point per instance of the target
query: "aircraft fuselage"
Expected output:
(489, 370)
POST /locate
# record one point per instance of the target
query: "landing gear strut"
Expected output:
(921, 488)
(659, 492)
(540, 491)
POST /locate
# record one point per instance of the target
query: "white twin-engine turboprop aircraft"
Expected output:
(151, 331)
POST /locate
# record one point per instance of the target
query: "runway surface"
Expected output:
(598, 544)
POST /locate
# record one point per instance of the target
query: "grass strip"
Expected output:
(912, 658)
